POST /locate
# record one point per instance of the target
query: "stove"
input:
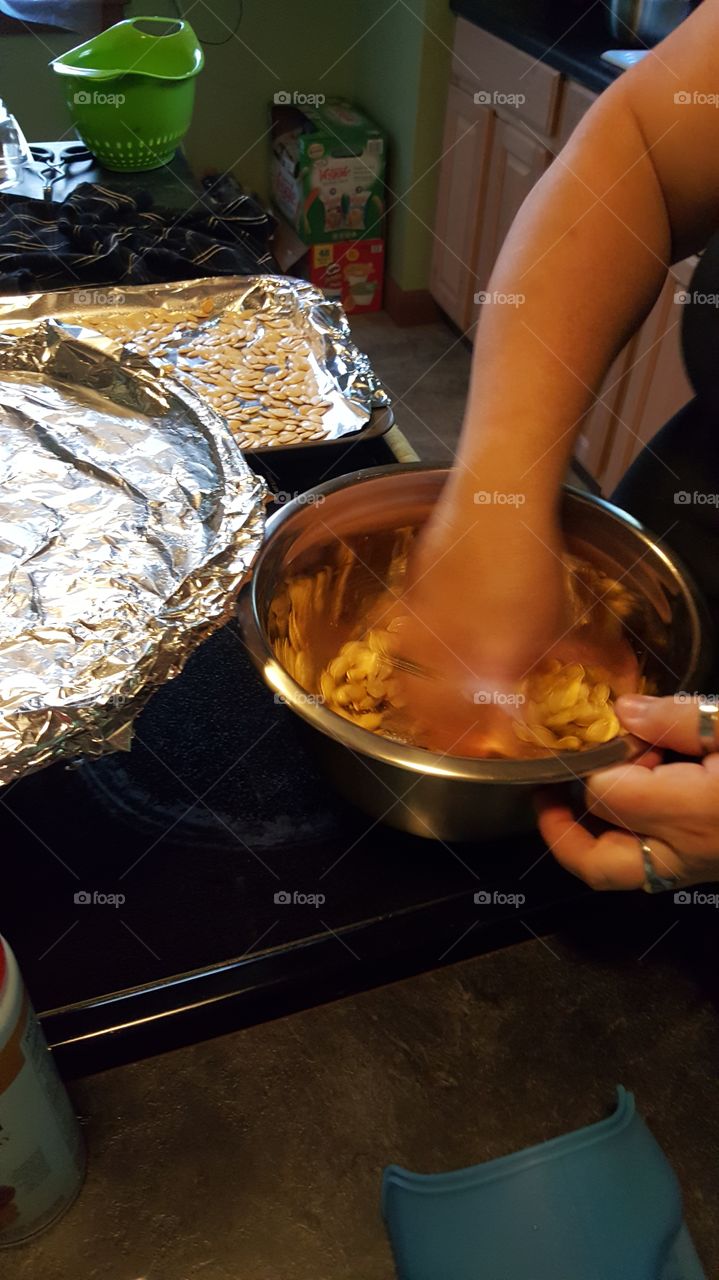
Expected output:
(211, 878)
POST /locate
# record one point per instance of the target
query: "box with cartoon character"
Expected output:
(347, 271)
(350, 272)
(327, 169)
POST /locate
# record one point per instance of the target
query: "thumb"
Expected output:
(666, 722)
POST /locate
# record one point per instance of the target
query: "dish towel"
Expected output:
(602, 1203)
(98, 236)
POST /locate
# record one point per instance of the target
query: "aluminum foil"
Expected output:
(345, 380)
(128, 519)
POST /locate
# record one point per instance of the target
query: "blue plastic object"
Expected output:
(599, 1204)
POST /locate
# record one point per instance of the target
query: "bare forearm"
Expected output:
(636, 187)
(586, 259)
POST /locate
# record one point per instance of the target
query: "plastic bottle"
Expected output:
(8, 170)
(42, 1156)
(15, 148)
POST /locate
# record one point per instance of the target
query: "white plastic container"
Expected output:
(42, 1156)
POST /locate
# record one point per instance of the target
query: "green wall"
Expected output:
(27, 86)
(401, 69)
(393, 60)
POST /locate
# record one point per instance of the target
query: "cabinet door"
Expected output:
(465, 149)
(506, 75)
(600, 424)
(517, 161)
(575, 103)
(656, 385)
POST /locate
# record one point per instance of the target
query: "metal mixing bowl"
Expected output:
(439, 796)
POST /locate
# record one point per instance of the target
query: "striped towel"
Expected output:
(98, 236)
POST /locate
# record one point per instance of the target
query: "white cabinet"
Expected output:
(465, 148)
(517, 161)
(656, 386)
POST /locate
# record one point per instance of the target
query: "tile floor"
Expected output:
(426, 371)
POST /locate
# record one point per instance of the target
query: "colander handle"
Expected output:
(178, 25)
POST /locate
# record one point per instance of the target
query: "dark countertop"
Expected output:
(566, 36)
(259, 1154)
(172, 186)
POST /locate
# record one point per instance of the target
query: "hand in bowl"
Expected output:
(488, 599)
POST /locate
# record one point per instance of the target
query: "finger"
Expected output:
(613, 861)
(672, 723)
(648, 799)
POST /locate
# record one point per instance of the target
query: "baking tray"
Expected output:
(270, 353)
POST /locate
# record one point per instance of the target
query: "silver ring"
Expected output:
(708, 713)
(653, 882)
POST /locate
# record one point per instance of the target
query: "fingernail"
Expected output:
(633, 706)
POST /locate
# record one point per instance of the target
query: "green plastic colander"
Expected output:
(131, 89)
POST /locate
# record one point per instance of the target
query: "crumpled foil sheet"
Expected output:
(344, 375)
(128, 519)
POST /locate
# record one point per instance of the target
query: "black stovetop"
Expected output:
(217, 810)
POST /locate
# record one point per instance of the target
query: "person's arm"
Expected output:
(636, 187)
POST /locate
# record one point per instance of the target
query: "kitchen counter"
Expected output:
(171, 186)
(259, 1154)
(568, 37)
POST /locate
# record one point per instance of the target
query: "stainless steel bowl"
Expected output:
(447, 797)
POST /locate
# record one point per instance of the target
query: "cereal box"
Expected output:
(327, 169)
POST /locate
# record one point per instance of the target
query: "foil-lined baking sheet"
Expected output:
(269, 353)
(128, 520)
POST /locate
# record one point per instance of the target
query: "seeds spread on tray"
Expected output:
(253, 368)
(272, 354)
